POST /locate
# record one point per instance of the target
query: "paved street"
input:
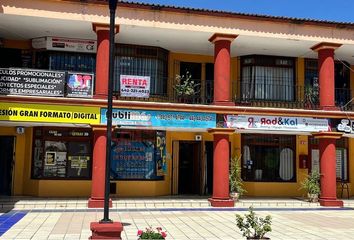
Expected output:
(305, 222)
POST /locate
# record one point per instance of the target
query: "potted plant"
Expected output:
(150, 233)
(312, 185)
(311, 96)
(253, 227)
(235, 180)
(186, 88)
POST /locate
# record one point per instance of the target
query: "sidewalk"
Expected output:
(187, 218)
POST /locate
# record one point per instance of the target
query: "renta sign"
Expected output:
(277, 123)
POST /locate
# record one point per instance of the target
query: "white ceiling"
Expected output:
(183, 41)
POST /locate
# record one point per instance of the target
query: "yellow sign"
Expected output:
(49, 113)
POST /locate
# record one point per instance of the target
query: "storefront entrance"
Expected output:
(189, 168)
(6, 164)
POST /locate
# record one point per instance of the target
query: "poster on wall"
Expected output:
(33, 82)
(79, 85)
(50, 158)
(134, 86)
(160, 153)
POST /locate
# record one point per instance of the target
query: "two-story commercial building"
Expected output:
(192, 88)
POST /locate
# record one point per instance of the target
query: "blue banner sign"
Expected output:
(163, 119)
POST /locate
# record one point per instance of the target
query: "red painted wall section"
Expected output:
(328, 168)
(326, 77)
(98, 169)
(102, 60)
(221, 167)
(222, 72)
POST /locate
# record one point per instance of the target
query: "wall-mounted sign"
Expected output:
(79, 84)
(32, 82)
(346, 126)
(49, 113)
(65, 44)
(160, 119)
(134, 86)
(276, 123)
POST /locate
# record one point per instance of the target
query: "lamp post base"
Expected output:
(97, 203)
(106, 230)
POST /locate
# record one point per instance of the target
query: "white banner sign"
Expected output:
(65, 44)
(276, 123)
(134, 86)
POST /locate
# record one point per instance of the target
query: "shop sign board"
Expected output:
(277, 123)
(17, 81)
(134, 86)
(346, 126)
(162, 119)
(65, 44)
(79, 85)
(26, 112)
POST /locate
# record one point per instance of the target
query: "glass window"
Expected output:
(341, 157)
(66, 61)
(61, 153)
(267, 78)
(138, 154)
(142, 61)
(268, 158)
(341, 76)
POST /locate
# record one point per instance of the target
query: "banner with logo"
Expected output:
(31, 82)
(79, 84)
(164, 119)
(134, 86)
(26, 112)
(65, 44)
(277, 123)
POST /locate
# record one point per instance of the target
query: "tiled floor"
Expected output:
(181, 218)
(186, 224)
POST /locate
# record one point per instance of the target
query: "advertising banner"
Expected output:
(49, 113)
(346, 126)
(134, 86)
(32, 82)
(276, 123)
(65, 44)
(79, 85)
(164, 119)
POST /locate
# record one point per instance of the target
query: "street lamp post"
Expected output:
(106, 228)
(112, 13)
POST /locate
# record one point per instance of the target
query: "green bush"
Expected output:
(252, 226)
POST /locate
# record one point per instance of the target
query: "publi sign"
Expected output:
(134, 86)
(79, 84)
(164, 119)
(65, 44)
(32, 82)
(275, 123)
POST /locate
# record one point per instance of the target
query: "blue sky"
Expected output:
(331, 10)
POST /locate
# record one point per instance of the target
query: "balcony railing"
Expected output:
(258, 95)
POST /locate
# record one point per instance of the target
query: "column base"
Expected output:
(330, 108)
(97, 203)
(100, 96)
(224, 103)
(331, 203)
(106, 230)
(215, 202)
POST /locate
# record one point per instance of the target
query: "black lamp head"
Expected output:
(112, 4)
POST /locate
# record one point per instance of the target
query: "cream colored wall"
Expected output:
(185, 22)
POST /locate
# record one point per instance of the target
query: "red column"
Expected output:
(327, 147)
(222, 83)
(326, 74)
(221, 194)
(102, 59)
(98, 168)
